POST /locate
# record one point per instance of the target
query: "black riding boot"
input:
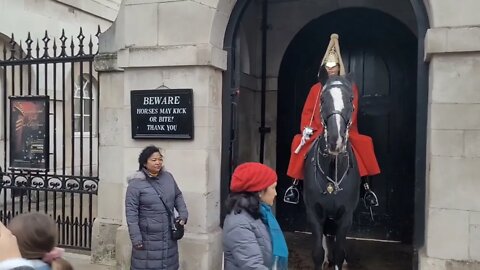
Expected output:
(369, 197)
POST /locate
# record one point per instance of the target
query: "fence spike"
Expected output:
(37, 49)
(80, 38)
(12, 47)
(90, 45)
(45, 40)
(63, 39)
(29, 42)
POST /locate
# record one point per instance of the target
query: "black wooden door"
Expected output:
(387, 106)
(381, 53)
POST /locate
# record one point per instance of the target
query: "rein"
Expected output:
(333, 185)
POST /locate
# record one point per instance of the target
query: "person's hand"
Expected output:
(8, 244)
(181, 222)
(307, 133)
(139, 246)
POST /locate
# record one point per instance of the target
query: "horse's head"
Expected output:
(336, 113)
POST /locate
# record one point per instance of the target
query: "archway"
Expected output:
(382, 67)
(416, 167)
(381, 64)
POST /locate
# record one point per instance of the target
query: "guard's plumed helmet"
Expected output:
(333, 56)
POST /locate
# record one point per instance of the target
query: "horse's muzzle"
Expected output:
(335, 149)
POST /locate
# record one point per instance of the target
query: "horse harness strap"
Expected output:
(333, 185)
(341, 115)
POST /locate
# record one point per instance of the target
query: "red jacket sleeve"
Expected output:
(354, 127)
(311, 108)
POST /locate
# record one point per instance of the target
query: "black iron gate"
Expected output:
(49, 105)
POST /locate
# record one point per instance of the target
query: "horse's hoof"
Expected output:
(327, 265)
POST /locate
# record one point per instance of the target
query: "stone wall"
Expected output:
(150, 46)
(23, 16)
(453, 209)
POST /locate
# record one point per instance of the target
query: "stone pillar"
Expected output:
(112, 123)
(153, 45)
(453, 157)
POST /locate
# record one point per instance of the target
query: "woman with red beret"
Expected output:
(252, 238)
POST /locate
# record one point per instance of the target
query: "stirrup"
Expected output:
(370, 199)
(292, 194)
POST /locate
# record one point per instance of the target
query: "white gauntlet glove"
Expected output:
(306, 134)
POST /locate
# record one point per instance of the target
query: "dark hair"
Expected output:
(145, 154)
(240, 201)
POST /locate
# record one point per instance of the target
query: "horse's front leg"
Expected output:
(316, 220)
(329, 244)
(340, 243)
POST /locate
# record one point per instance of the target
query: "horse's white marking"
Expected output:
(338, 118)
(337, 98)
(338, 105)
(336, 267)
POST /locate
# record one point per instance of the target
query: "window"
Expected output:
(84, 102)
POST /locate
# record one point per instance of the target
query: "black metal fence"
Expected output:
(50, 160)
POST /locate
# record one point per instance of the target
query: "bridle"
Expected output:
(346, 120)
(333, 185)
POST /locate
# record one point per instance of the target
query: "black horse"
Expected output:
(332, 179)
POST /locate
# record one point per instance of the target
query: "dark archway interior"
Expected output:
(382, 54)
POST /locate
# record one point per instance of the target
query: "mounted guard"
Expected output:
(311, 128)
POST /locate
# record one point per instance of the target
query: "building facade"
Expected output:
(196, 50)
(250, 64)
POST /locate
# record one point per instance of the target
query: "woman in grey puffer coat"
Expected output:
(148, 222)
(252, 238)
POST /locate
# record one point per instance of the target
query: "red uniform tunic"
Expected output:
(362, 145)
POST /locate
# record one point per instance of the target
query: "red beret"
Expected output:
(252, 177)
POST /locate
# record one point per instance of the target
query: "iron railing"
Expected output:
(66, 187)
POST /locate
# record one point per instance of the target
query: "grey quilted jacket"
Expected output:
(148, 222)
(246, 243)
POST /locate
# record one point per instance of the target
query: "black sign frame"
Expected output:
(29, 119)
(183, 121)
